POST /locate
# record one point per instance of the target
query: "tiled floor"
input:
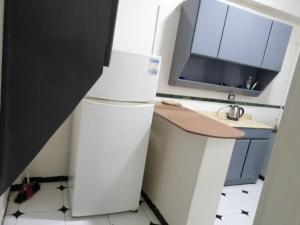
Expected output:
(238, 204)
(50, 207)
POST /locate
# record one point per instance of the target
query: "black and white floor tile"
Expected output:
(238, 204)
(50, 206)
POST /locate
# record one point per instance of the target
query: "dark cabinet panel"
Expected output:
(245, 37)
(209, 28)
(249, 156)
(277, 45)
(54, 51)
(255, 159)
(237, 161)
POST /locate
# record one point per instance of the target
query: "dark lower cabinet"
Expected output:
(248, 157)
(255, 159)
(237, 161)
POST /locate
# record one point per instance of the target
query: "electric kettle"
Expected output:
(235, 112)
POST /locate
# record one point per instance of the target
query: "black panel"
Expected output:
(113, 17)
(54, 51)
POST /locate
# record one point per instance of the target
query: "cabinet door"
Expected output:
(255, 158)
(277, 45)
(245, 37)
(237, 160)
(209, 27)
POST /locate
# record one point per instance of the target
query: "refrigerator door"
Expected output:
(108, 154)
(53, 53)
(130, 77)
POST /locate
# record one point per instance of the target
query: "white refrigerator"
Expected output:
(110, 134)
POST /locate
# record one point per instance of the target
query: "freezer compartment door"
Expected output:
(108, 154)
(130, 77)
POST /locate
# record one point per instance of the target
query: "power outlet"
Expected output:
(231, 97)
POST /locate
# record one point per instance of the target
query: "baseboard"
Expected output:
(154, 209)
(16, 187)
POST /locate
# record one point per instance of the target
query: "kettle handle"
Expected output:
(242, 112)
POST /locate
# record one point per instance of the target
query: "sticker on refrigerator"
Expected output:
(153, 66)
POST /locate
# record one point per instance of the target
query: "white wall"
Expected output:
(280, 201)
(135, 32)
(2, 206)
(136, 24)
(288, 9)
(135, 27)
(288, 6)
(3, 203)
(53, 160)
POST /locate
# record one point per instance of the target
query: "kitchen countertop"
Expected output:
(196, 123)
(245, 122)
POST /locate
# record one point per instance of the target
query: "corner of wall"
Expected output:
(3, 203)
